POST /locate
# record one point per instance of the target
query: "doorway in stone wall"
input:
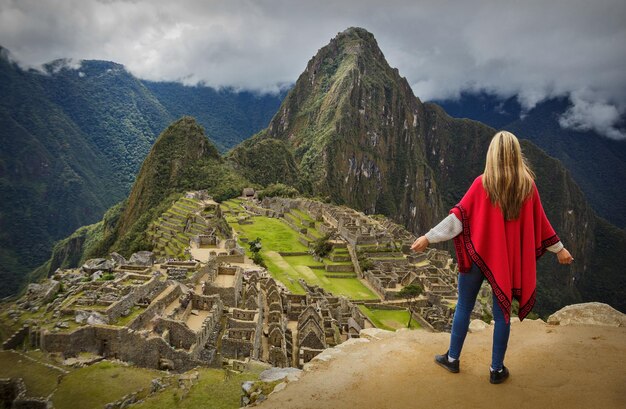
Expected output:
(104, 347)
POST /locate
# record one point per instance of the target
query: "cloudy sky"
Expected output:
(534, 49)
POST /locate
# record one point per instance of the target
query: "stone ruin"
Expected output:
(385, 245)
(177, 314)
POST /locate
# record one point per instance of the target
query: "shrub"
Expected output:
(278, 189)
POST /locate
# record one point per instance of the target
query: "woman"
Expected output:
(499, 230)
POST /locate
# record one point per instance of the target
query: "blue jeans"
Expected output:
(469, 285)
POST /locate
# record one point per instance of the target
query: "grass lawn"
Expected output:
(39, 379)
(389, 319)
(282, 271)
(94, 386)
(314, 232)
(301, 215)
(212, 390)
(275, 234)
(7, 327)
(297, 267)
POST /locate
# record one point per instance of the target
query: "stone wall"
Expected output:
(155, 308)
(204, 302)
(128, 301)
(247, 315)
(120, 343)
(278, 357)
(179, 335)
(337, 268)
(10, 388)
(176, 333)
(235, 258)
(239, 343)
(210, 268)
(306, 354)
(16, 339)
(229, 295)
(340, 275)
(13, 395)
(210, 323)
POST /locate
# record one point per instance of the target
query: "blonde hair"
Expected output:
(507, 179)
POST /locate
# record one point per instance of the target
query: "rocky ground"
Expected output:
(571, 365)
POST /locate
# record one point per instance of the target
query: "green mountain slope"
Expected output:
(115, 111)
(353, 127)
(226, 115)
(73, 138)
(181, 159)
(51, 179)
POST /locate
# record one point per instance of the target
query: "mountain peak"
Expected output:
(355, 33)
(354, 41)
(169, 166)
(344, 121)
(185, 136)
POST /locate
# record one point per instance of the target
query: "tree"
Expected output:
(322, 246)
(255, 245)
(410, 293)
(255, 248)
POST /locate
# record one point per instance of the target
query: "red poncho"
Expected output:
(505, 251)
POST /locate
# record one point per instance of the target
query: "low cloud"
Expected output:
(531, 49)
(594, 115)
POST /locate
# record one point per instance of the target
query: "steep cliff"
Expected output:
(356, 132)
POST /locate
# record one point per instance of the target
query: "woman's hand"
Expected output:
(564, 256)
(420, 244)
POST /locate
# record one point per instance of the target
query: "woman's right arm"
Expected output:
(447, 229)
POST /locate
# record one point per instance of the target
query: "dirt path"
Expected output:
(551, 367)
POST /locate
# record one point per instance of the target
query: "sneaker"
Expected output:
(443, 361)
(499, 376)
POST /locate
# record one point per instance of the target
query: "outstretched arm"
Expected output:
(447, 229)
(420, 244)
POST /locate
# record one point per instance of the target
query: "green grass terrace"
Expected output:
(277, 238)
(390, 320)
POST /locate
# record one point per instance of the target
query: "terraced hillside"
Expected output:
(186, 218)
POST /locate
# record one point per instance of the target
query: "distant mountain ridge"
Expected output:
(182, 158)
(598, 164)
(73, 138)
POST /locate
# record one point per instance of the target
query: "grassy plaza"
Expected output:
(278, 237)
(389, 319)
